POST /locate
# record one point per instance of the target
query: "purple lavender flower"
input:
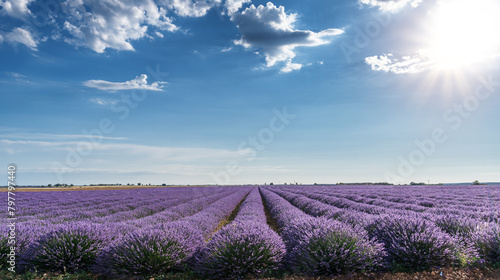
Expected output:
(456, 225)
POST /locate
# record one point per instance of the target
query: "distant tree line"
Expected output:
(59, 185)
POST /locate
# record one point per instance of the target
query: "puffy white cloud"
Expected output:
(115, 24)
(190, 8)
(405, 65)
(139, 82)
(16, 8)
(271, 30)
(21, 36)
(101, 24)
(391, 5)
(233, 6)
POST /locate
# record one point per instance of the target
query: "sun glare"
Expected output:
(464, 32)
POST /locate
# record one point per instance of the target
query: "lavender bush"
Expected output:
(487, 241)
(150, 251)
(239, 249)
(327, 247)
(4, 250)
(295, 232)
(413, 243)
(68, 247)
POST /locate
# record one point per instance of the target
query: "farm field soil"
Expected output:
(445, 273)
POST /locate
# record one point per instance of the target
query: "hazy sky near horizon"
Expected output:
(242, 91)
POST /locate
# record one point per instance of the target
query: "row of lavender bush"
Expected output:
(413, 240)
(245, 246)
(71, 246)
(320, 246)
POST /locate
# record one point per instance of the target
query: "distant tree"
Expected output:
(138, 184)
(49, 185)
(476, 182)
(271, 183)
(163, 185)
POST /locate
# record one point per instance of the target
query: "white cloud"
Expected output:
(177, 169)
(423, 60)
(290, 66)
(16, 75)
(172, 153)
(271, 30)
(391, 5)
(166, 169)
(77, 161)
(153, 153)
(21, 36)
(233, 6)
(190, 8)
(140, 82)
(47, 136)
(115, 24)
(102, 101)
(406, 65)
(16, 8)
(112, 23)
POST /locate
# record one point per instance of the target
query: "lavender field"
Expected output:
(233, 232)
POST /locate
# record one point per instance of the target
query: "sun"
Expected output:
(463, 32)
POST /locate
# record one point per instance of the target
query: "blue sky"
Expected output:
(241, 91)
